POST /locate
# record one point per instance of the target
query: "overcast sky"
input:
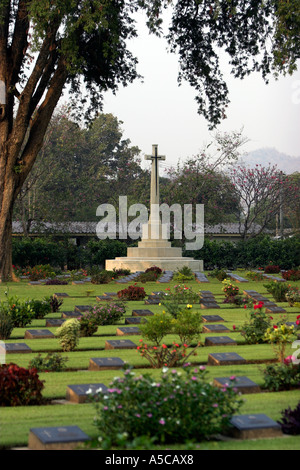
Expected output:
(158, 111)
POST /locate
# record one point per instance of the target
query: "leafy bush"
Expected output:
(40, 308)
(272, 269)
(69, 334)
(255, 328)
(56, 282)
(154, 269)
(291, 275)
(290, 421)
(219, 274)
(280, 336)
(277, 289)
(6, 324)
(132, 293)
(19, 386)
(53, 362)
(284, 376)
(55, 303)
(292, 295)
(88, 324)
(176, 408)
(229, 289)
(20, 311)
(28, 252)
(103, 277)
(150, 276)
(108, 314)
(184, 274)
(120, 272)
(187, 325)
(181, 295)
(254, 276)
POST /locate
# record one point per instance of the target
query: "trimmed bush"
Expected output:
(132, 293)
(175, 408)
(69, 334)
(19, 386)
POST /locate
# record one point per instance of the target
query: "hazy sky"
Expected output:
(158, 111)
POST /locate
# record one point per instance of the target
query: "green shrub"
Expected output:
(40, 308)
(19, 386)
(292, 295)
(69, 334)
(174, 409)
(254, 276)
(55, 303)
(53, 362)
(277, 289)
(156, 328)
(20, 311)
(102, 277)
(88, 324)
(278, 377)
(255, 328)
(108, 314)
(219, 274)
(184, 274)
(6, 324)
(150, 276)
(28, 252)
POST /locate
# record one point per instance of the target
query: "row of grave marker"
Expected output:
(243, 426)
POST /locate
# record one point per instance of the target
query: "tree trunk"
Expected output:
(6, 234)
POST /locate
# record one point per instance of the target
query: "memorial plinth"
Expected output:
(154, 249)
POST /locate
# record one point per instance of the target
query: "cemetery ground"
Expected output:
(58, 410)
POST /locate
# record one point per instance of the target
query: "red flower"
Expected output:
(164, 346)
(275, 327)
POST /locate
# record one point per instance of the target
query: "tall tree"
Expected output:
(48, 44)
(262, 191)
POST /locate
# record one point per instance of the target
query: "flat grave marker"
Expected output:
(215, 329)
(152, 300)
(225, 359)
(56, 438)
(120, 344)
(38, 334)
(254, 426)
(106, 363)
(61, 294)
(134, 320)
(14, 348)
(142, 313)
(237, 278)
(275, 310)
(219, 341)
(103, 298)
(129, 330)
(200, 277)
(82, 308)
(212, 318)
(34, 283)
(110, 294)
(81, 393)
(206, 304)
(52, 322)
(242, 383)
(77, 283)
(71, 314)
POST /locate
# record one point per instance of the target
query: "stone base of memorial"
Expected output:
(255, 426)
(57, 438)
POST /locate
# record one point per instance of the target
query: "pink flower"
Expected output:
(162, 421)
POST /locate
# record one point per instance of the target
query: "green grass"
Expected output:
(15, 423)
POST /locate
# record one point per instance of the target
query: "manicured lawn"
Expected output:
(15, 423)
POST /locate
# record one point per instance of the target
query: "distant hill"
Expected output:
(265, 156)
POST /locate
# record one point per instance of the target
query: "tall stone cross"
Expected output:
(154, 192)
